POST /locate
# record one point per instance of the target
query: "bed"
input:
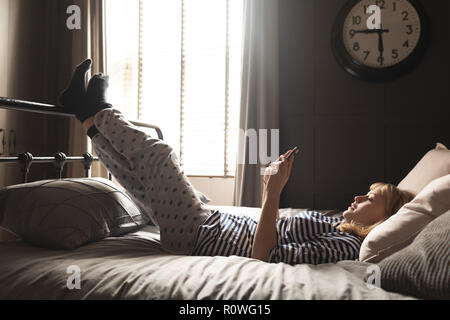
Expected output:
(133, 266)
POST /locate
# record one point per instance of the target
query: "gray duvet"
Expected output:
(134, 267)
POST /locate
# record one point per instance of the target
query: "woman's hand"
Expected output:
(277, 174)
(275, 178)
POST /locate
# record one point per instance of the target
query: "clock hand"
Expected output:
(380, 42)
(368, 31)
(380, 47)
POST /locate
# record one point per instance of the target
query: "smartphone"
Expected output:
(294, 151)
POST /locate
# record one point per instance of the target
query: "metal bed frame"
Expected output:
(26, 159)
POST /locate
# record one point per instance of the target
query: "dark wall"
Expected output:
(353, 133)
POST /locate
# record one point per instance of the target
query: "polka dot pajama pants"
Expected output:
(148, 169)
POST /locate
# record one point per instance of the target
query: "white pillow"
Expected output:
(400, 229)
(434, 164)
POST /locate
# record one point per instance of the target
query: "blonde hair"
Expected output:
(394, 199)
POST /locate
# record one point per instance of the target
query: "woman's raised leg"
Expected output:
(148, 168)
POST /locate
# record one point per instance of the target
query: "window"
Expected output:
(177, 64)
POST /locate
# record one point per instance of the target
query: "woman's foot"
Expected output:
(96, 96)
(95, 102)
(85, 103)
(74, 96)
(96, 92)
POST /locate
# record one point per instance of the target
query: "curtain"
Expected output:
(37, 56)
(89, 42)
(34, 51)
(259, 97)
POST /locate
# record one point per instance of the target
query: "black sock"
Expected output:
(95, 97)
(73, 97)
(96, 91)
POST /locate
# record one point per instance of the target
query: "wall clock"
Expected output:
(380, 40)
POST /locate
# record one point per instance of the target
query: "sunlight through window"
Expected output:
(177, 64)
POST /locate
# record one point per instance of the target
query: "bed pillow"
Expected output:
(421, 269)
(434, 164)
(400, 229)
(68, 213)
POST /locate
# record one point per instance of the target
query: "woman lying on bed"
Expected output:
(148, 168)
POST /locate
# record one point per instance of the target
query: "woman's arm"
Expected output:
(266, 236)
(264, 198)
(274, 182)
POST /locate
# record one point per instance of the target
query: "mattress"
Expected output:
(135, 267)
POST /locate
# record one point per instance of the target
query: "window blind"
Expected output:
(177, 64)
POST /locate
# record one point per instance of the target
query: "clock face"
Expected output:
(387, 43)
(380, 40)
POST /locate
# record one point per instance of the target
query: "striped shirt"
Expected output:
(309, 237)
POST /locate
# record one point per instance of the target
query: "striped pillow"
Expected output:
(422, 269)
(68, 213)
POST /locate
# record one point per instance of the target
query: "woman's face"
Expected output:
(367, 209)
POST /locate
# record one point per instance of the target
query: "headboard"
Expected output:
(59, 160)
